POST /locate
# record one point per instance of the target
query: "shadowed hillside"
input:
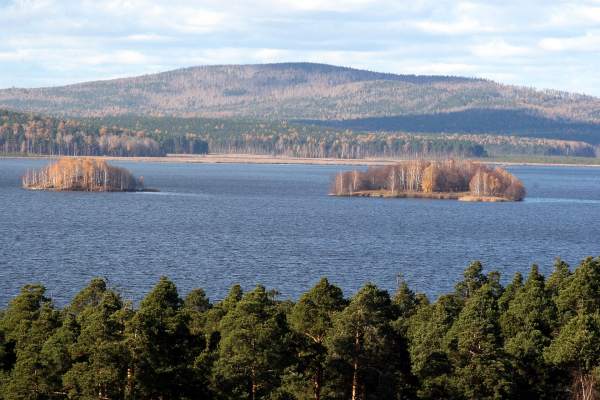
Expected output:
(323, 94)
(518, 123)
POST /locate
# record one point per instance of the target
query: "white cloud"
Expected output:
(118, 57)
(589, 42)
(19, 55)
(499, 48)
(532, 43)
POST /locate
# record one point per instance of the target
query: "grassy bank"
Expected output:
(264, 159)
(547, 160)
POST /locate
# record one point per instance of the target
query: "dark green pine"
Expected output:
(312, 318)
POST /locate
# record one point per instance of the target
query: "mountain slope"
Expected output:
(200, 91)
(329, 95)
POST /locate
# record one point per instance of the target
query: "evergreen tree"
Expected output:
(158, 340)
(29, 321)
(581, 294)
(429, 357)
(576, 351)
(527, 326)
(364, 349)
(252, 357)
(312, 317)
(100, 361)
(474, 279)
(475, 349)
(197, 306)
(510, 292)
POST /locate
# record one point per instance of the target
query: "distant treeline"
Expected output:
(34, 134)
(519, 123)
(157, 136)
(87, 174)
(447, 175)
(294, 140)
(531, 339)
(302, 140)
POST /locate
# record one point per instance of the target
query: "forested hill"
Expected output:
(520, 123)
(213, 91)
(294, 91)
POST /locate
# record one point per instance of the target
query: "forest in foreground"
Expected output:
(535, 338)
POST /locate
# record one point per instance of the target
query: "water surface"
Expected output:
(214, 225)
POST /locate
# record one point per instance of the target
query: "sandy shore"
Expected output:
(256, 159)
(262, 159)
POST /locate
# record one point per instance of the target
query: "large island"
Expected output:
(434, 179)
(81, 174)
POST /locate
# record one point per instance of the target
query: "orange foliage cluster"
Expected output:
(438, 175)
(87, 174)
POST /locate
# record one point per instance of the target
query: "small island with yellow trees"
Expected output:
(431, 179)
(81, 174)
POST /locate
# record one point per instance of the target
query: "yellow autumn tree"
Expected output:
(430, 175)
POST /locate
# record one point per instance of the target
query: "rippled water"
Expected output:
(214, 225)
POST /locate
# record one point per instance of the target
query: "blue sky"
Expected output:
(542, 44)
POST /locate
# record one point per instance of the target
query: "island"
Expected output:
(431, 179)
(82, 174)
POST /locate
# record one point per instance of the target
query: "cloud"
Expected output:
(499, 49)
(533, 43)
(588, 43)
(118, 57)
(19, 55)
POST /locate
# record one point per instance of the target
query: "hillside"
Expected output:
(214, 91)
(339, 97)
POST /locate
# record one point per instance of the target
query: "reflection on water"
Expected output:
(214, 225)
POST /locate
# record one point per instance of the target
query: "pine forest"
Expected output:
(535, 338)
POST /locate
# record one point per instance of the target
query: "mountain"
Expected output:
(328, 95)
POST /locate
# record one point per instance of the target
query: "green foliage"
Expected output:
(474, 348)
(158, 337)
(533, 339)
(312, 318)
(366, 355)
(251, 353)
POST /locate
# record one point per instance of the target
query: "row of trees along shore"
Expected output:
(85, 174)
(431, 176)
(32, 134)
(534, 338)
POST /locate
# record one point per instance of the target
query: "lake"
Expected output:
(214, 225)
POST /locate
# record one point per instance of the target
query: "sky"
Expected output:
(541, 44)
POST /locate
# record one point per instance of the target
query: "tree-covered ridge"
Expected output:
(85, 174)
(281, 138)
(477, 121)
(430, 176)
(293, 91)
(205, 88)
(535, 338)
(28, 133)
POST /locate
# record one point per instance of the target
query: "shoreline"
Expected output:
(460, 196)
(264, 159)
